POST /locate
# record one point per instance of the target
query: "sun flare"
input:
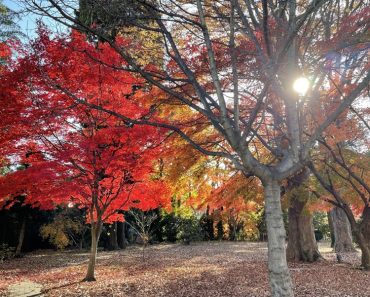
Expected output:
(301, 85)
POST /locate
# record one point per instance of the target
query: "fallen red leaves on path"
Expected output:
(202, 269)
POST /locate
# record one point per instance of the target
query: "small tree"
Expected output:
(143, 225)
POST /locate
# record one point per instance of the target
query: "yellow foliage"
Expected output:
(145, 45)
(56, 231)
(56, 237)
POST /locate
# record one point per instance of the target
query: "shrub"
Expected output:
(62, 231)
(6, 252)
(188, 230)
(170, 225)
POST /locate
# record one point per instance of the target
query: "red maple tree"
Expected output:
(68, 152)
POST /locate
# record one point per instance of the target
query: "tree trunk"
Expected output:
(302, 245)
(95, 234)
(208, 225)
(220, 230)
(113, 243)
(365, 236)
(331, 227)
(365, 249)
(342, 231)
(121, 231)
(82, 237)
(232, 227)
(280, 281)
(21, 238)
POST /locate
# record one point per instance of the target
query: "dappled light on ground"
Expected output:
(201, 269)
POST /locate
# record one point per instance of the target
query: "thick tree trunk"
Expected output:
(280, 280)
(342, 231)
(302, 244)
(21, 238)
(365, 249)
(365, 236)
(95, 234)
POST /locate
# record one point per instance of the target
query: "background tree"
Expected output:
(342, 231)
(345, 177)
(302, 244)
(143, 224)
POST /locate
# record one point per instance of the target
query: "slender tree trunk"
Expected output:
(342, 231)
(113, 243)
(95, 234)
(209, 225)
(82, 237)
(121, 231)
(21, 238)
(331, 227)
(302, 245)
(220, 230)
(232, 227)
(280, 280)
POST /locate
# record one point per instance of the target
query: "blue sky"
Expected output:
(27, 21)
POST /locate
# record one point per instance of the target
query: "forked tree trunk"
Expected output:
(95, 234)
(302, 245)
(342, 231)
(21, 238)
(280, 280)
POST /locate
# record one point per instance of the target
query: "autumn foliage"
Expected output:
(67, 152)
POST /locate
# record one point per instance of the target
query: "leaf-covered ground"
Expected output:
(203, 269)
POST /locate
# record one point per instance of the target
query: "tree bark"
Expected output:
(113, 243)
(232, 227)
(342, 231)
(82, 237)
(220, 230)
(280, 280)
(365, 244)
(361, 231)
(21, 238)
(331, 227)
(121, 231)
(95, 234)
(302, 245)
(365, 249)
